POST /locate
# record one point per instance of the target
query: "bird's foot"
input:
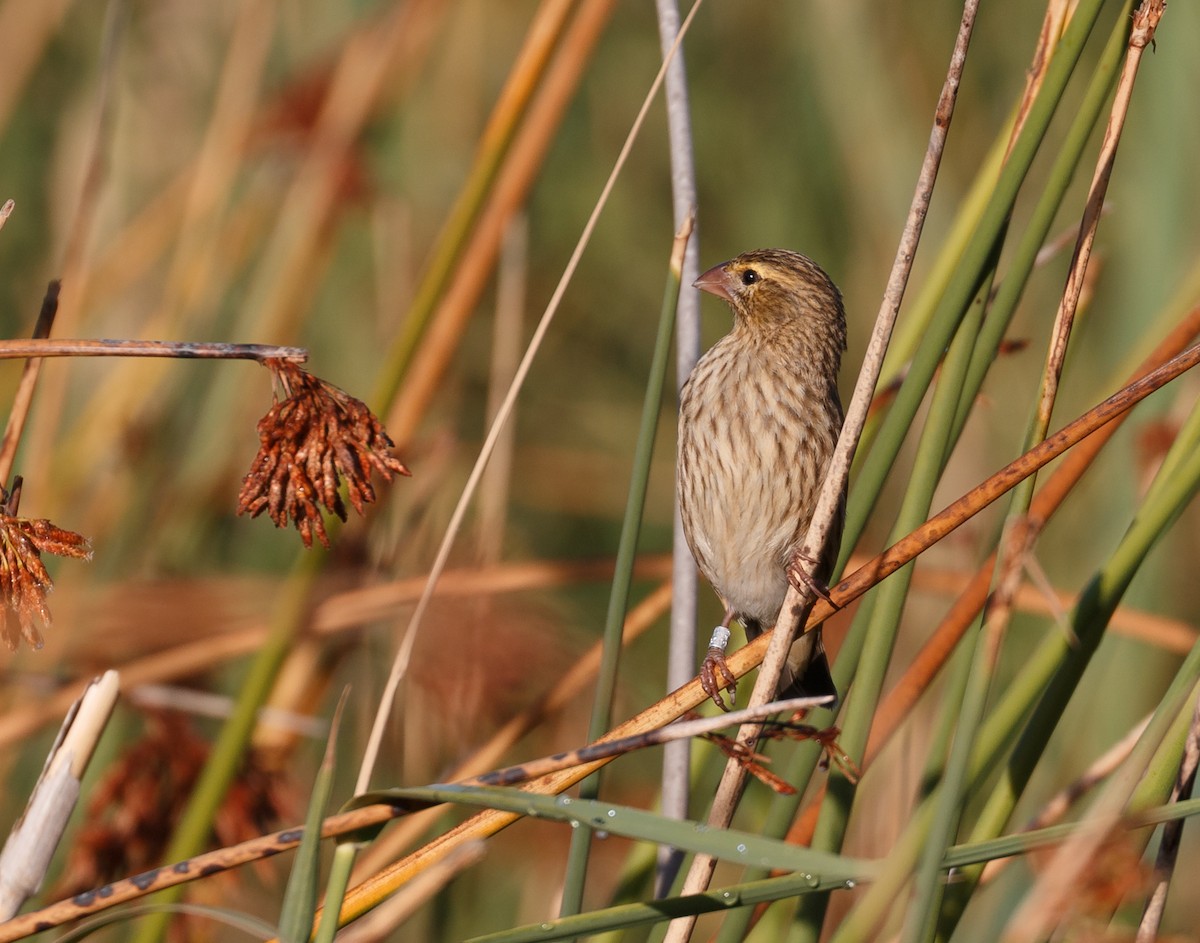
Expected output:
(800, 571)
(715, 675)
(827, 738)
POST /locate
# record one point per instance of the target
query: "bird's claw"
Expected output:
(715, 676)
(801, 571)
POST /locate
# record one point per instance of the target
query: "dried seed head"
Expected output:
(311, 440)
(24, 582)
(135, 806)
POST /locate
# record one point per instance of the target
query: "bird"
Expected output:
(759, 418)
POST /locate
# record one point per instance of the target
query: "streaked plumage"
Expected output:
(759, 417)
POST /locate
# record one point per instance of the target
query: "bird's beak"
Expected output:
(715, 281)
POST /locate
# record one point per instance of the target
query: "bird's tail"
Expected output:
(807, 673)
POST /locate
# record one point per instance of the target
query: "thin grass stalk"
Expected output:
(1033, 237)
(404, 651)
(507, 331)
(970, 698)
(23, 398)
(75, 260)
(973, 263)
(899, 702)
(1043, 907)
(1047, 679)
(631, 526)
(1141, 35)
(340, 870)
(967, 220)
(1165, 500)
(1172, 833)
(1172, 489)
(681, 645)
(396, 841)
(880, 633)
(798, 603)
(732, 899)
(1168, 849)
(910, 333)
(738, 897)
(407, 396)
(1028, 687)
(300, 895)
(782, 812)
(911, 330)
(1019, 536)
(528, 70)
(1024, 692)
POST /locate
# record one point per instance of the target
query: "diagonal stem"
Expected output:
(799, 601)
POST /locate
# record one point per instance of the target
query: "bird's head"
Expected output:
(773, 290)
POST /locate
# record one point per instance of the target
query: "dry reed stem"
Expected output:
(799, 600)
(681, 641)
(897, 704)
(378, 887)
(372, 891)
(415, 823)
(1038, 912)
(678, 730)
(1054, 810)
(384, 919)
(180, 350)
(23, 397)
(1058, 14)
(1168, 848)
(570, 685)
(509, 192)
(484, 824)
(200, 866)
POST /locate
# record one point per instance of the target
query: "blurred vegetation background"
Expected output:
(165, 161)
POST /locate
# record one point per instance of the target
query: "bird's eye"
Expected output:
(749, 277)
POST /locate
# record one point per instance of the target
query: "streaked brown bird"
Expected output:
(758, 420)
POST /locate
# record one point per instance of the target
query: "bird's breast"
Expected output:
(754, 442)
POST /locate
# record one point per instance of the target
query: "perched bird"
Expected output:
(758, 420)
